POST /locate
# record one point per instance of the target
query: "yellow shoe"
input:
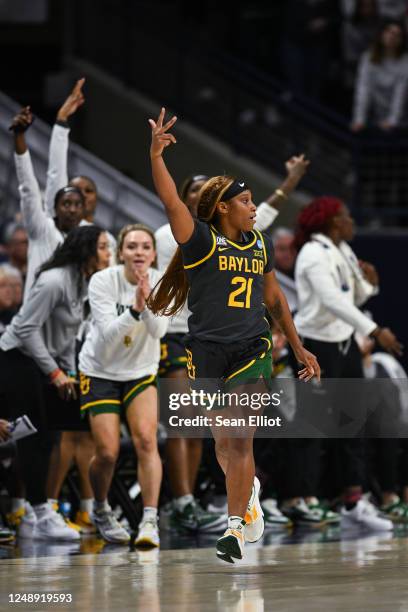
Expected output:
(84, 522)
(70, 524)
(14, 518)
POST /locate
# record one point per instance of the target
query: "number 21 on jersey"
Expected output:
(244, 290)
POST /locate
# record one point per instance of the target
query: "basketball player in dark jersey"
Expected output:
(226, 268)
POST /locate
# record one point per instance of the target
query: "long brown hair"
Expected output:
(170, 293)
(377, 51)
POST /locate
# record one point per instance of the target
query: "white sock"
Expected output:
(17, 503)
(86, 505)
(181, 502)
(235, 522)
(102, 506)
(149, 513)
(41, 509)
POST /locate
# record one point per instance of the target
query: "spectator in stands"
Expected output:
(16, 242)
(358, 31)
(285, 258)
(382, 81)
(38, 348)
(16, 283)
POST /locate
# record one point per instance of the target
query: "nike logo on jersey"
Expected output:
(223, 248)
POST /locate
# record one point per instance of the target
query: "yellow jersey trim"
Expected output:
(238, 246)
(197, 263)
(268, 341)
(146, 381)
(263, 244)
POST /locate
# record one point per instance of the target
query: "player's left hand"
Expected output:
(309, 360)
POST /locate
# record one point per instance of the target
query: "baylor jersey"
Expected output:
(226, 284)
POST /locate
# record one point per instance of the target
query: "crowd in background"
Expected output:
(51, 253)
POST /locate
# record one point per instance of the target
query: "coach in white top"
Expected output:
(118, 364)
(331, 284)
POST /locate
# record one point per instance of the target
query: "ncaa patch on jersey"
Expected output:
(221, 241)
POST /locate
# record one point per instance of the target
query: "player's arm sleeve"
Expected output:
(265, 216)
(103, 308)
(156, 325)
(200, 246)
(38, 307)
(57, 173)
(34, 217)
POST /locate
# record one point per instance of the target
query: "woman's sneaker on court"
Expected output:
(327, 516)
(84, 522)
(24, 521)
(194, 518)
(396, 511)
(52, 526)
(109, 527)
(148, 534)
(254, 515)
(273, 517)
(230, 546)
(364, 516)
(300, 514)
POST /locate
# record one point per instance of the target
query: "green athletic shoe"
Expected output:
(195, 519)
(328, 517)
(397, 511)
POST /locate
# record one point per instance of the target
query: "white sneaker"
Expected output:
(254, 516)
(109, 527)
(51, 526)
(230, 546)
(273, 517)
(27, 525)
(364, 516)
(148, 534)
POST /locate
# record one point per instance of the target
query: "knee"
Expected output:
(106, 455)
(145, 441)
(239, 446)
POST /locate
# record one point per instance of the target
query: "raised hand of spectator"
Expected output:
(296, 166)
(4, 430)
(370, 273)
(73, 102)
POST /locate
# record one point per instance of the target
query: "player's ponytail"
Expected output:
(170, 293)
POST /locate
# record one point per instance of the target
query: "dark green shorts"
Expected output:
(172, 354)
(234, 363)
(99, 395)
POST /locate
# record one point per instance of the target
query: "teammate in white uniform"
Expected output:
(183, 455)
(118, 363)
